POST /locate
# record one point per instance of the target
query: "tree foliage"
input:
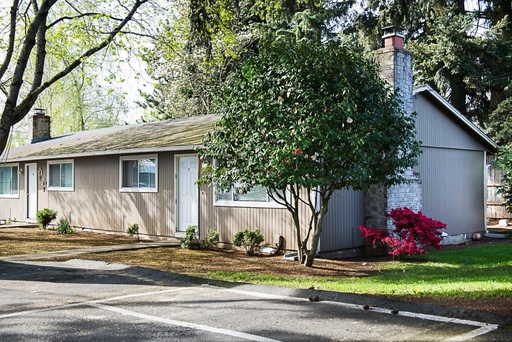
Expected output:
(463, 49)
(305, 119)
(31, 40)
(202, 42)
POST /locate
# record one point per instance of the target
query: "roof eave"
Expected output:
(105, 153)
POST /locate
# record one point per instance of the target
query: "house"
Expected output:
(108, 179)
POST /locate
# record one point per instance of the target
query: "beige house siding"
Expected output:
(228, 220)
(14, 208)
(97, 202)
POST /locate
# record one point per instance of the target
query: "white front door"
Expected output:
(31, 187)
(186, 197)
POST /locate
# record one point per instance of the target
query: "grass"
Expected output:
(479, 272)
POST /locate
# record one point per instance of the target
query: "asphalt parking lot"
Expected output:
(89, 301)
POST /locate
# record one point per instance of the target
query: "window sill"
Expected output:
(242, 204)
(62, 189)
(139, 190)
(10, 196)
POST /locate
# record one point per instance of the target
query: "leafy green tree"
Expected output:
(31, 40)
(78, 102)
(305, 119)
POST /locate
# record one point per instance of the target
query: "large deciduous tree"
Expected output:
(31, 38)
(305, 119)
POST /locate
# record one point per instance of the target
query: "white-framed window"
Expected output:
(139, 173)
(61, 175)
(257, 197)
(9, 180)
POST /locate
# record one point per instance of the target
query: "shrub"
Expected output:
(133, 230)
(64, 227)
(212, 238)
(45, 216)
(190, 241)
(248, 239)
(412, 232)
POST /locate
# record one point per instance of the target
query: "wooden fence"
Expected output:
(495, 209)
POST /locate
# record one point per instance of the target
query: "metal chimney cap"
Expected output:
(40, 111)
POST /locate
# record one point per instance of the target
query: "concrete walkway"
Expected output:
(88, 250)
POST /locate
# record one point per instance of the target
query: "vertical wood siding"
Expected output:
(98, 203)
(229, 220)
(341, 225)
(451, 170)
(436, 129)
(453, 188)
(15, 208)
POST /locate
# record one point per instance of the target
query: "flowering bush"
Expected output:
(412, 232)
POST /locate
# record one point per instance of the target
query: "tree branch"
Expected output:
(8, 116)
(31, 97)
(12, 36)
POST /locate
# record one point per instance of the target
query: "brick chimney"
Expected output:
(40, 126)
(395, 66)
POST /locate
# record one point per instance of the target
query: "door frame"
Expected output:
(27, 190)
(177, 158)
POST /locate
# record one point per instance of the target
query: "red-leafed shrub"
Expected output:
(412, 232)
(373, 235)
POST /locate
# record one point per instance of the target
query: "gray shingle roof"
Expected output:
(170, 135)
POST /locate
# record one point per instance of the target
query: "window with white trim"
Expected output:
(139, 173)
(61, 175)
(9, 184)
(256, 197)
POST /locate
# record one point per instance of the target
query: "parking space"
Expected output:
(83, 301)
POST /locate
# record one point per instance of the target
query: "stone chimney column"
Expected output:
(40, 126)
(395, 66)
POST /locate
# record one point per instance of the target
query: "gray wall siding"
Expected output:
(229, 220)
(453, 188)
(341, 225)
(436, 129)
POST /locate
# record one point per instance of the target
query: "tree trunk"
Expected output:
(317, 232)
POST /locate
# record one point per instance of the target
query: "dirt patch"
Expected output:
(16, 241)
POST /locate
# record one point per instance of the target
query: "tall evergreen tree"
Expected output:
(464, 50)
(204, 41)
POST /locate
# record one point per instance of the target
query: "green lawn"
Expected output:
(477, 272)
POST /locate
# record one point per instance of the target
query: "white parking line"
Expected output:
(484, 328)
(202, 327)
